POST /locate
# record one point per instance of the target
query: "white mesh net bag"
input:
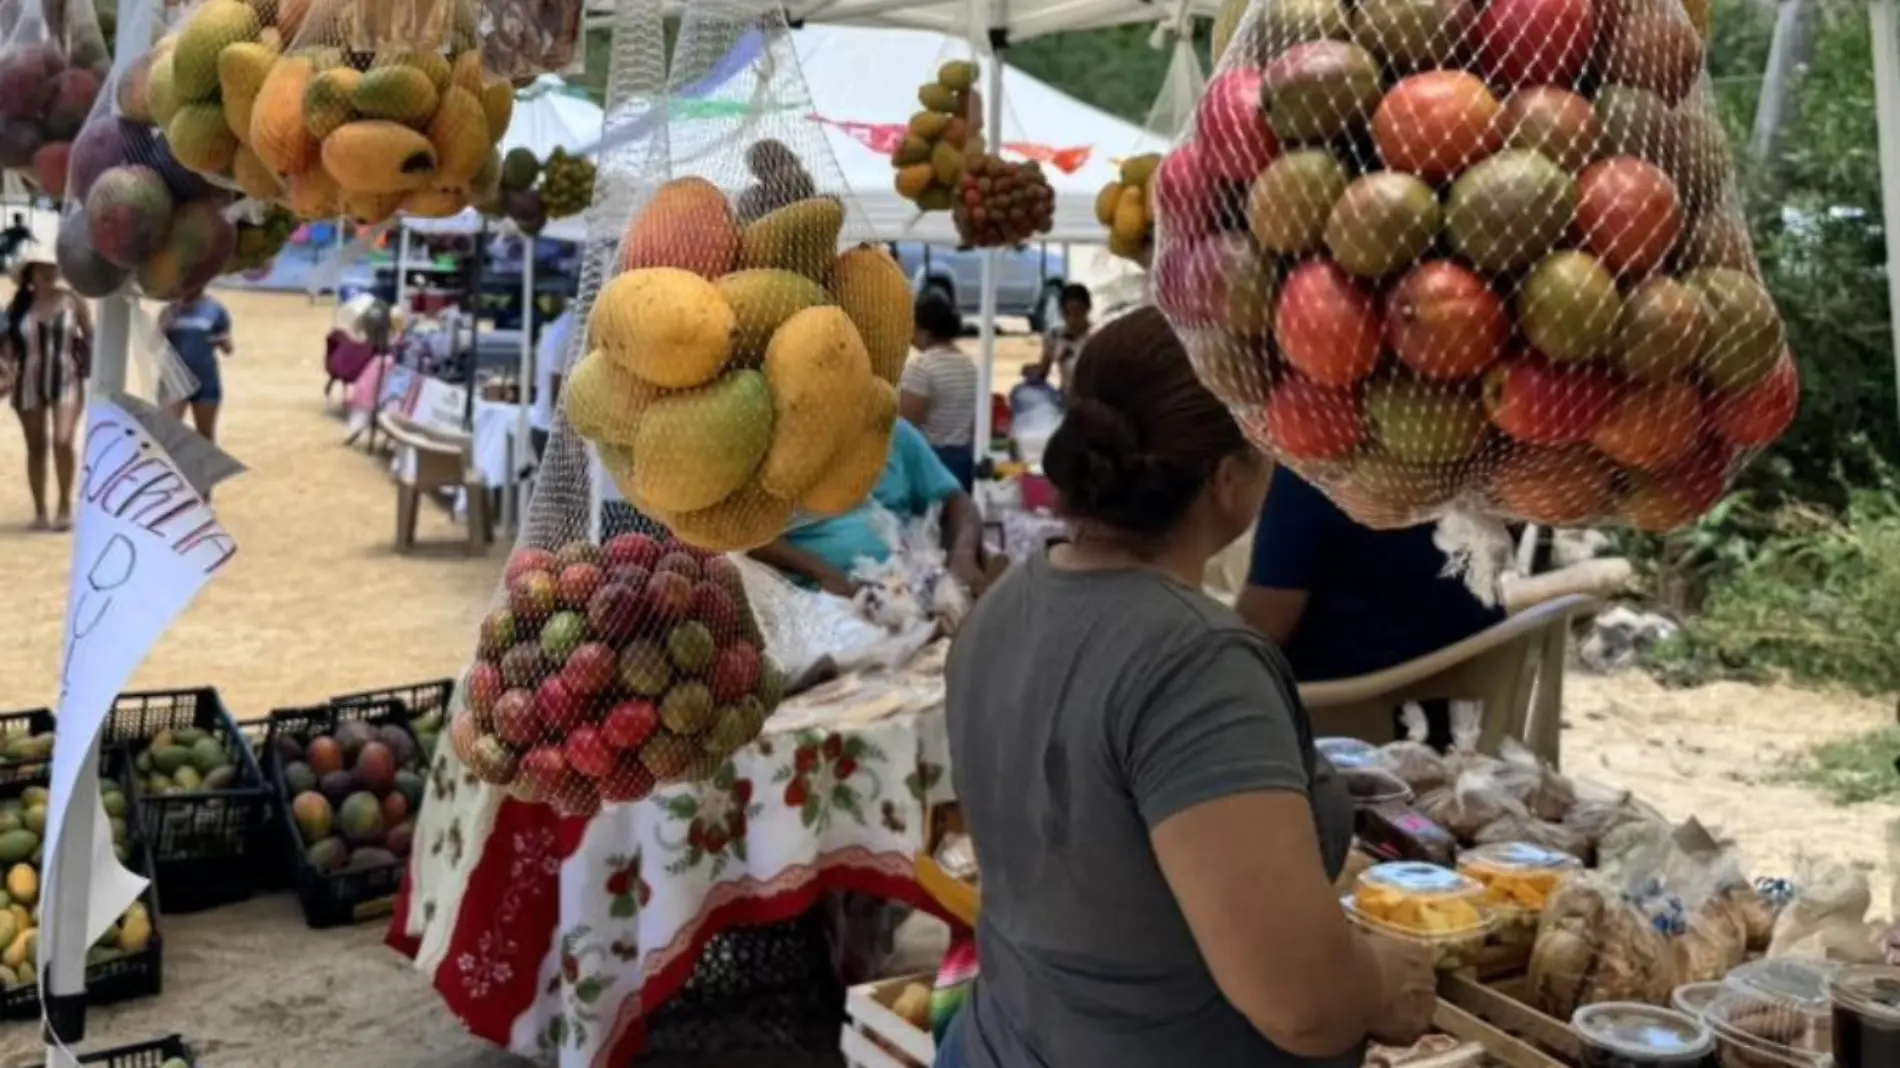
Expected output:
(735, 375)
(1443, 257)
(53, 61)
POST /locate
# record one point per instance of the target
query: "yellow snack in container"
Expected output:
(1518, 879)
(1422, 903)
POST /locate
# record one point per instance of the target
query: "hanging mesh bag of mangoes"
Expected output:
(358, 108)
(731, 372)
(53, 60)
(134, 213)
(1443, 257)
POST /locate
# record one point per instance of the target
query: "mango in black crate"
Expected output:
(125, 961)
(200, 793)
(348, 781)
(425, 703)
(26, 743)
(168, 1052)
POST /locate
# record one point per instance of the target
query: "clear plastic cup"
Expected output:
(1346, 753)
(1518, 878)
(1753, 1031)
(1629, 1034)
(1695, 998)
(1866, 1016)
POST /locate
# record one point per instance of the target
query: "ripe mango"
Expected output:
(466, 72)
(326, 103)
(21, 952)
(201, 139)
(860, 463)
(604, 401)
(818, 368)
(436, 202)
(23, 884)
(135, 931)
(278, 134)
(498, 102)
(747, 519)
(689, 225)
(403, 94)
(1106, 201)
(459, 132)
(763, 298)
(213, 27)
(671, 327)
(872, 290)
(161, 98)
(695, 448)
(914, 180)
(367, 208)
(312, 194)
(429, 61)
(242, 69)
(378, 156)
(255, 179)
(801, 237)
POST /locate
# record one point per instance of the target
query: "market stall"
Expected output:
(552, 935)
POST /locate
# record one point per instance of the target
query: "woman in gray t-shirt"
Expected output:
(1156, 835)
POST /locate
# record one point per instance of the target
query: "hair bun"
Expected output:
(1092, 453)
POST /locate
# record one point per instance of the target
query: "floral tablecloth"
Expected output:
(556, 937)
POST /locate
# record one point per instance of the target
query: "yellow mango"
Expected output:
(24, 884)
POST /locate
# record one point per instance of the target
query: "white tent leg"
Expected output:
(1885, 31)
(986, 367)
(402, 265)
(514, 503)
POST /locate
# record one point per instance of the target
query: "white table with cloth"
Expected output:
(558, 938)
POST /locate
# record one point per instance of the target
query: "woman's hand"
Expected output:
(966, 570)
(833, 581)
(1408, 989)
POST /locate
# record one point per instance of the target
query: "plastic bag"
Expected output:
(334, 107)
(1474, 801)
(1827, 918)
(1488, 260)
(134, 213)
(1536, 831)
(1416, 764)
(1543, 790)
(53, 61)
(1593, 946)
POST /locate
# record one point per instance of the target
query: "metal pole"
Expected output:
(1885, 31)
(402, 264)
(524, 379)
(986, 367)
(1791, 48)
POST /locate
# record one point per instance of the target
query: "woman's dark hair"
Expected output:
(936, 316)
(1077, 293)
(16, 310)
(1141, 436)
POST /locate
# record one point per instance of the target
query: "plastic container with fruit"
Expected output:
(1628, 1034)
(1423, 903)
(1518, 878)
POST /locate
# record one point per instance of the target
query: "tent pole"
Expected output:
(1885, 31)
(524, 385)
(402, 263)
(986, 367)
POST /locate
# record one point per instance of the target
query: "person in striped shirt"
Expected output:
(937, 394)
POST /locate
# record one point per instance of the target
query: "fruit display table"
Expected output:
(556, 937)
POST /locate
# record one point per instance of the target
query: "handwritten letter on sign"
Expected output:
(144, 543)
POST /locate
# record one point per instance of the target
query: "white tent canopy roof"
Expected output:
(547, 116)
(1022, 19)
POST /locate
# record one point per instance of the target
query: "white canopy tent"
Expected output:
(547, 116)
(1020, 20)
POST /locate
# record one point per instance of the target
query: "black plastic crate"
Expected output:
(152, 1054)
(331, 899)
(123, 978)
(423, 701)
(33, 721)
(206, 844)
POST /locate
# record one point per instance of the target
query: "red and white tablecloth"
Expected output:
(555, 937)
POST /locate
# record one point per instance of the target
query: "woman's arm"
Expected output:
(963, 540)
(791, 559)
(914, 392)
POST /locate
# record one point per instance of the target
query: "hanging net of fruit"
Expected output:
(731, 377)
(1126, 205)
(1487, 258)
(941, 139)
(135, 212)
(262, 232)
(53, 61)
(336, 107)
(530, 191)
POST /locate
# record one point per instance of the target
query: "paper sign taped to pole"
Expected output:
(145, 541)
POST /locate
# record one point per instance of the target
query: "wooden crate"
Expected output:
(961, 900)
(875, 1036)
(1500, 1006)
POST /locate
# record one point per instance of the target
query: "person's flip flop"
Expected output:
(39, 523)
(62, 524)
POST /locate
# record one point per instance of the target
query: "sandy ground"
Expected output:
(317, 603)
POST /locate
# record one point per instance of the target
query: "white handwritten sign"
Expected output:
(144, 543)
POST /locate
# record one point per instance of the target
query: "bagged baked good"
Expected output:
(1714, 939)
(1542, 789)
(1596, 810)
(1593, 946)
(1828, 917)
(1756, 913)
(1416, 764)
(1543, 833)
(1472, 803)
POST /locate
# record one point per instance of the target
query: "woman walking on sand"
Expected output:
(47, 356)
(198, 328)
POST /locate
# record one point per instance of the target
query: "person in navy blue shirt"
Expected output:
(199, 328)
(1343, 600)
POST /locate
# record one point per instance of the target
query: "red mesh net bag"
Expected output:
(1441, 256)
(53, 61)
(732, 370)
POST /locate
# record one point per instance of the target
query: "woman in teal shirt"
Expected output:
(823, 552)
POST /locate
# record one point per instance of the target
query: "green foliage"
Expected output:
(1851, 770)
(1117, 69)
